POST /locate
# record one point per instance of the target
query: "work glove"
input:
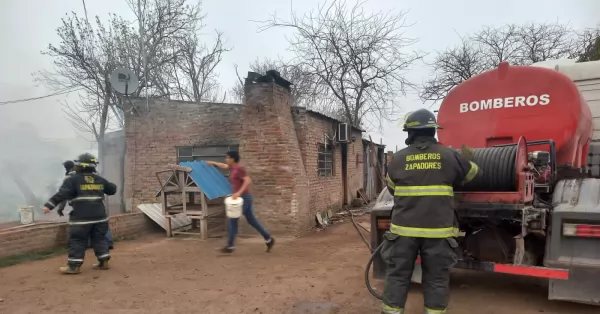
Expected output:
(466, 152)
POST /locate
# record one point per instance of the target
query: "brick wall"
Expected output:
(278, 144)
(355, 166)
(270, 149)
(325, 192)
(43, 238)
(152, 135)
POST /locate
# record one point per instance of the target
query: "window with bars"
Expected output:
(325, 161)
(213, 153)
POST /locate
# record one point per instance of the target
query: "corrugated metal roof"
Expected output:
(212, 182)
(154, 211)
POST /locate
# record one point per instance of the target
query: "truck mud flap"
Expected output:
(583, 285)
(521, 270)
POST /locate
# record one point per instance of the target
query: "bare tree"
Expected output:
(193, 71)
(541, 42)
(484, 50)
(305, 89)
(163, 51)
(454, 66)
(588, 45)
(152, 48)
(83, 60)
(496, 44)
(360, 57)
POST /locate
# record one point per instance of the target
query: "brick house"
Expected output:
(296, 170)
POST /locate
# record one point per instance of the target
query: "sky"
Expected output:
(28, 26)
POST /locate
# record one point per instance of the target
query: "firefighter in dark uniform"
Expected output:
(85, 190)
(69, 171)
(421, 178)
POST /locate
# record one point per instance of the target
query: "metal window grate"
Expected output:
(212, 153)
(325, 161)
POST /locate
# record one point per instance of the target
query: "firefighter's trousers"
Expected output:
(437, 258)
(79, 234)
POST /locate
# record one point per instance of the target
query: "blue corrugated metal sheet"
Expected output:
(209, 179)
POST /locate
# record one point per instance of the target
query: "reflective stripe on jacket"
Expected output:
(85, 191)
(421, 178)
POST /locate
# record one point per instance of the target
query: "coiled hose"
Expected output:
(370, 263)
(498, 167)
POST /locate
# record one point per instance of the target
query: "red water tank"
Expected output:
(501, 105)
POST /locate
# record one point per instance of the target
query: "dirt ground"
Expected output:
(322, 270)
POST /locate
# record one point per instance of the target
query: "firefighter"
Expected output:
(69, 171)
(85, 190)
(108, 237)
(421, 178)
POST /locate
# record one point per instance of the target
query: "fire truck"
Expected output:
(535, 208)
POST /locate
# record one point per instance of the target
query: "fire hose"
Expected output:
(370, 262)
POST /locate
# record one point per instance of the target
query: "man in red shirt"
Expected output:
(240, 185)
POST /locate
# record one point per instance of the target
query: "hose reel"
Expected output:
(498, 170)
(500, 167)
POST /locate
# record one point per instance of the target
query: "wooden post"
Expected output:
(169, 227)
(183, 188)
(163, 198)
(203, 220)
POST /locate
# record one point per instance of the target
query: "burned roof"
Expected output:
(325, 116)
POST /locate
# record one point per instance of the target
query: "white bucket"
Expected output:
(233, 208)
(26, 215)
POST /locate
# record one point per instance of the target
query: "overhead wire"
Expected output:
(61, 92)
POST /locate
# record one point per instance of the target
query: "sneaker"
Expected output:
(102, 265)
(270, 245)
(69, 270)
(227, 250)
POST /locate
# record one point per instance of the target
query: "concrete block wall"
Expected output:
(154, 133)
(271, 152)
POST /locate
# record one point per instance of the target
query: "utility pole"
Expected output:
(143, 49)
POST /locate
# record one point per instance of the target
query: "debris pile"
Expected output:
(328, 218)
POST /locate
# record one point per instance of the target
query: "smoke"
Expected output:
(31, 167)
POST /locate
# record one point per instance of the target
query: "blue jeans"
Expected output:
(109, 238)
(248, 212)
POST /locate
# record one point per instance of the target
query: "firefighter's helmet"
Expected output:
(86, 161)
(69, 164)
(420, 119)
